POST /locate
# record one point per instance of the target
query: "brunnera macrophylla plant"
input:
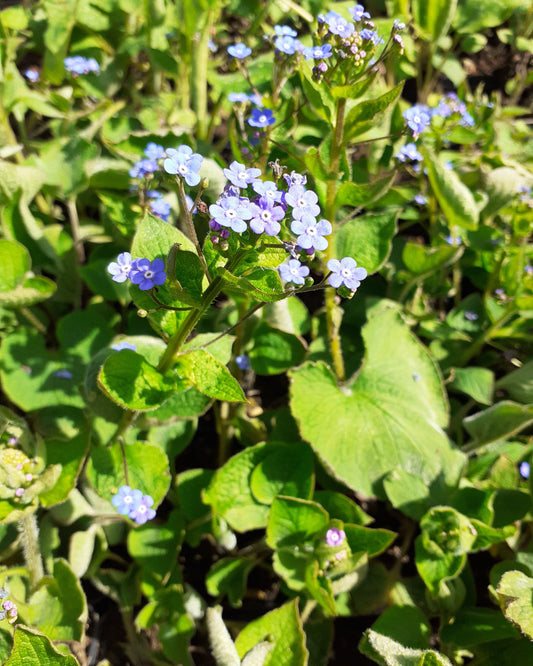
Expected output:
(205, 404)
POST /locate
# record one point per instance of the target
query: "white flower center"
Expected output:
(231, 213)
(311, 231)
(262, 119)
(266, 215)
(346, 272)
(242, 175)
(148, 274)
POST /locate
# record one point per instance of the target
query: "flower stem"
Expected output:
(29, 533)
(189, 224)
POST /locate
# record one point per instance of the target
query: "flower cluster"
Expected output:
(9, 609)
(418, 117)
(142, 272)
(148, 165)
(407, 153)
(184, 163)
(131, 502)
(158, 207)
(77, 65)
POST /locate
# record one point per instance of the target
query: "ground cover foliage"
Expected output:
(266, 301)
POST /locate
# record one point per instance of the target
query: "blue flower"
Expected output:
(261, 118)
(160, 209)
(238, 97)
(256, 99)
(295, 178)
(142, 511)
(285, 31)
(453, 241)
(408, 152)
(231, 212)
(317, 52)
(154, 194)
(293, 271)
(346, 272)
(240, 176)
(239, 50)
(524, 470)
(120, 269)
(311, 233)
(358, 13)
(79, 65)
(32, 74)
(63, 374)
(528, 270)
(418, 117)
(154, 151)
(126, 500)
(267, 189)
(302, 201)
(420, 199)
(212, 46)
(184, 163)
(124, 344)
(147, 274)
(190, 204)
(287, 45)
(242, 362)
(266, 217)
(471, 316)
(370, 36)
(338, 25)
(143, 167)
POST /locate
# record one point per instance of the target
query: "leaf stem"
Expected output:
(189, 224)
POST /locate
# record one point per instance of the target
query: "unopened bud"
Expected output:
(142, 313)
(205, 183)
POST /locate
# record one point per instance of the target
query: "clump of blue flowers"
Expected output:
(142, 272)
(132, 503)
(78, 65)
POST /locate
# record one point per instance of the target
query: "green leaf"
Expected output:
(15, 262)
(70, 459)
(455, 199)
(514, 591)
(368, 239)
(133, 383)
(288, 470)
(228, 577)
(468, 19)
(31, 291)
(341, 507)
(58, 607)
(500, 421)
(394, 409)
(275, 351)
(294, 521)
(406, 624)
(388, 652)
(519, 384)
(433, 18)
(32, 648)
(148, 470)
(478, 383)
(283, 628)
(408, 493)
(351, 194)
(229, 492)
(422, 260)
(368, 540)
(363, 112)
(209, 376)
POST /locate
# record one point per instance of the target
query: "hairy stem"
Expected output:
(29, 533)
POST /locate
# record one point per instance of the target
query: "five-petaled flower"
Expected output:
(335, 536)
(147, 274)
(261, 118)
(293, 271)
(231, 212)
(240, 176)
(311, 233)
(132, 503)
(120, 269)
(239, 50)
(184, 163)
(346, 272)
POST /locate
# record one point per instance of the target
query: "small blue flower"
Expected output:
(154, 151)
(311, 233)
(231, 212)
(142, 168)
(408, 152)
(79, 65)
(240, 176)
(239, 50)
(398, 25)
(285, 31)
(528, 270)
(334, 537)
(184, 163)
(338, 25)
(420, 199)
(287, 45)
(63, 374)
(160, 209)
(120, 269)
(449, 166)
(267, 189)
(524, 470)
(154, 194)
(317, 52)
(212, 46)
(370, 36)
(143, 512)
(418, 117)
(126, 500)
(266, 217)
(241, 98)
(147, 274)
(261, 118)
(256, 99)
(471, 316)
(242, 362)
(293, 271)
(358, 13)
(124, 344)
(302, 201)
(295, 178)
(346, 272)
(453, 241)
(32, 74)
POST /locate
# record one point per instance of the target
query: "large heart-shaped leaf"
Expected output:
(389, 418)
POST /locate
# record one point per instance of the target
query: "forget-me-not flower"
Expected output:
(143, 511)
(524, 470)
(346, 272)
(241, 98)
(335, 536)
(261, 118)
(160, 209)
(120, 269)
(126, 499)
(240, 176)
(408, 152)
(231, 212)
(124, 344)
(287, 45)
(311, 233)
(358, 13)
(268, 189)
(317, 52)
(242, 362)
(154, 151)
(293, 271)
(32, 74)
(302, 201)
(239, 50)
(184, 163)
(147, 274)
(80, 65)
(266, 217)
(418, 117)
(142, 168)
